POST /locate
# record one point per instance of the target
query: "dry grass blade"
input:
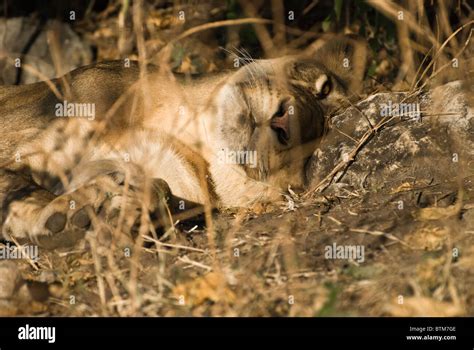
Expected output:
(439, 52)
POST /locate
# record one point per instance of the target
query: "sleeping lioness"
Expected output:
(113, 136)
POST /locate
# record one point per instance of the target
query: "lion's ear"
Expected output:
(343, 56)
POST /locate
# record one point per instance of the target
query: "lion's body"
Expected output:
(231, 139)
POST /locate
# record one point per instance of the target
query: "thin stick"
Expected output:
(343, 164)
(186, 260)
(177, 246)
(217, 24)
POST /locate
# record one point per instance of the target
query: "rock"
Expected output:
(427, 158)
(27, 39)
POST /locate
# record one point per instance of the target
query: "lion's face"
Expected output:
(271, 115)
(265, 119)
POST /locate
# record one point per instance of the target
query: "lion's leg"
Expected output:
(31, 213)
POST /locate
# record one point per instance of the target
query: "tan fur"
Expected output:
(171, 128)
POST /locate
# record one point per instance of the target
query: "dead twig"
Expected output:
(324, 183)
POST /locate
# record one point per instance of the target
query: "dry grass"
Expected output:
(244, 264)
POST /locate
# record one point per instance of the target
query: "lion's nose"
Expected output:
(280, 123)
